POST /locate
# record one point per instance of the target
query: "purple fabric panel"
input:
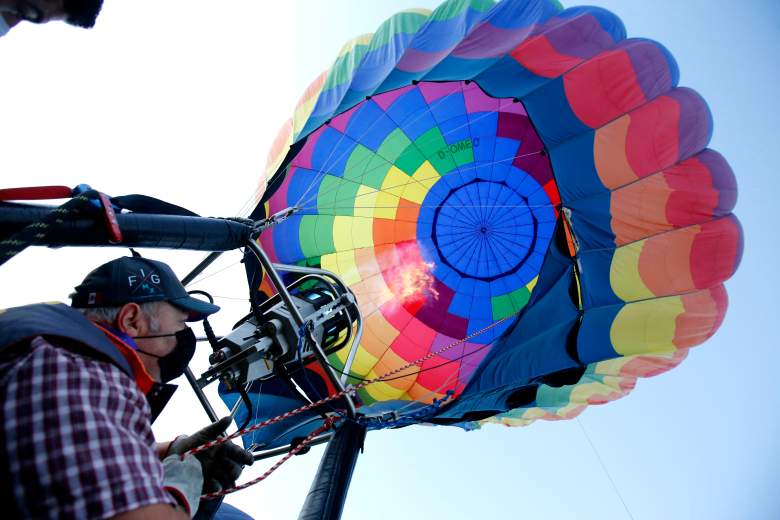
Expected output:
(723, 180)
(434, 313)
(414, 60)
(650, 67)
(581, 36)
(487, 41)
(695, 125)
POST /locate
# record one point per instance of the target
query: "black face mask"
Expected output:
(173, 364)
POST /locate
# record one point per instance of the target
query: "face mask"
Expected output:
(173, 364)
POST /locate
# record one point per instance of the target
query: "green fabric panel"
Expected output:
(316, 235)
(324, 234)
(435, 149)
(376, 172)
(454, 8)
(462, 152)
(306, 235)
(508, 304)
(357, 164)
(410, 159)
(344, 67)
(345, 198)
(401, 23)
(502, 306)
(326, 195)
(520, 298)
(393, 145)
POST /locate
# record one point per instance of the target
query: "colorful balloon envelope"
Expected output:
(516, 175)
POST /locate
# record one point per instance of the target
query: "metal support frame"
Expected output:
(281, 289)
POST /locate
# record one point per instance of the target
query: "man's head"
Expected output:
(144, 299)
(81, 13)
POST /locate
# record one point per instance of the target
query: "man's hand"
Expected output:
(222, 464)
(183, 479)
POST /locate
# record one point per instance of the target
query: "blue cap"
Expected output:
(137, 280)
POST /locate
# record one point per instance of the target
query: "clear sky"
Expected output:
(180, 99)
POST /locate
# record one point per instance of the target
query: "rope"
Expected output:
(327, 425)
(329, 422)
(37, 231)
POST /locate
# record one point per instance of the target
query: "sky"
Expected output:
(180, 100)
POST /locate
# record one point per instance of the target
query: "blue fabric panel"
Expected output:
(453, 67)
(305, 183)
(596, 287)
(593, 342)
(574, 169)
(284, 247)
(536, 344)
(266, 406)
(553, 118)
(455, 129)
(448, 107)
(441, 35)
(517, 14)
(369, 125)
(377, 64)
(592, 221)
(331, 153)
(507, 78)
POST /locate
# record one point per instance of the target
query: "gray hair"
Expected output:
(108, 315)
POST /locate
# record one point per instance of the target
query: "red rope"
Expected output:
(327, 425)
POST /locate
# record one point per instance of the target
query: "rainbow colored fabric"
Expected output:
(508, 160)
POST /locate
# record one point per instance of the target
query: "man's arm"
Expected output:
(91, 452)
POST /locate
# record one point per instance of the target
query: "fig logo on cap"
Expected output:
(145, 282)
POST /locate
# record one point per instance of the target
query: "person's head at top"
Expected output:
(142, 302)
(80, 13)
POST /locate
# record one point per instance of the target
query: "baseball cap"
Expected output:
(137, 280)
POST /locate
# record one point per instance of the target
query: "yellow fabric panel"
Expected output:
(342, 233)
(639, 209)
(330, 262)
(646, 326)
(391, 361)
(419, 393)
(386, 205)
(395, 182)
(349, 270)
(384, 392)
(624, 274)
(352, 233)
(362, 363)
(365, 201)
(380, 334)
(426, 175)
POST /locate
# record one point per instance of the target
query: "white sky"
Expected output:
(180, 99)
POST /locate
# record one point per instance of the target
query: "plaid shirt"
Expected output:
(75, 439)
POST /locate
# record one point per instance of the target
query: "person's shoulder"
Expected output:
(61, 355)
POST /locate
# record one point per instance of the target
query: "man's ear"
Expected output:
(131, 320)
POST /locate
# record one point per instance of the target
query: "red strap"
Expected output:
(36, 193)
(114, 233)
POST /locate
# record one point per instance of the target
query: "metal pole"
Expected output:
(322, 439)
(201, 396)
(187, 372)
(201, 267)
(296, 315)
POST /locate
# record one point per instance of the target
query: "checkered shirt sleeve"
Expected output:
(76, 437)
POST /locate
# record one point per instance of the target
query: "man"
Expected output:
(81, 13)
(79, 387)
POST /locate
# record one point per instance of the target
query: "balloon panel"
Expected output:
(434, 202)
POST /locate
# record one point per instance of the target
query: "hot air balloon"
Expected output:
(515, 192)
